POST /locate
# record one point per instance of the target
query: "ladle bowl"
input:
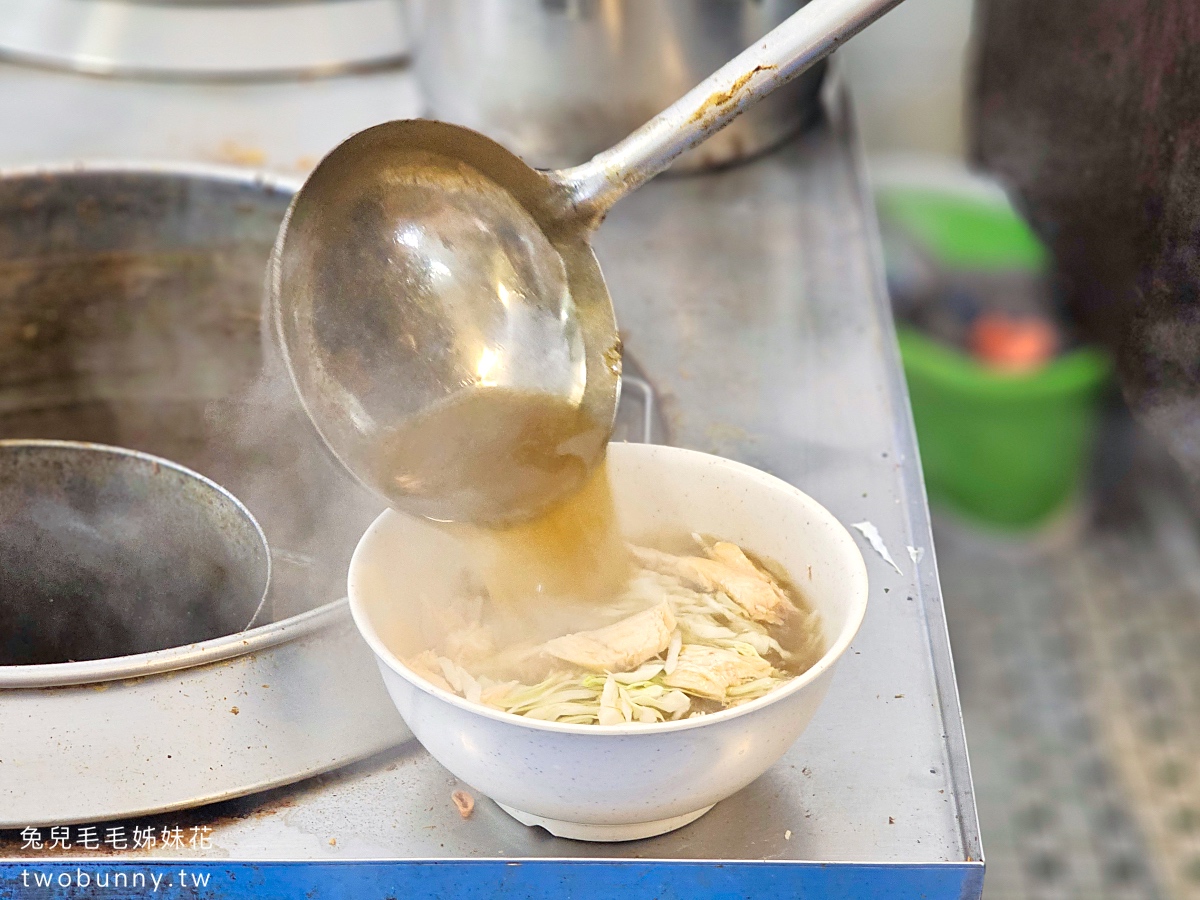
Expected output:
(420, 266)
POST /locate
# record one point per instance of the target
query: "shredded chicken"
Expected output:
(726, 569)
(620, 646)
(527, 661)
(689, 635)
(711, 671)
(470, 643)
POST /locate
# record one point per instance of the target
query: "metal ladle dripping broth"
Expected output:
(440, 309)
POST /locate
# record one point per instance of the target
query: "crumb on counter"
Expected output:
(464, 803)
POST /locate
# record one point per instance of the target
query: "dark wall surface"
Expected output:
(1089, 110)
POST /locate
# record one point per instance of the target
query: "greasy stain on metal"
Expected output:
(228, 812)
(719, 100)
(612, 357)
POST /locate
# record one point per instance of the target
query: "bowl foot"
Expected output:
(577, 831)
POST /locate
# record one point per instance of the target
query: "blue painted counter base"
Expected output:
(492, 879)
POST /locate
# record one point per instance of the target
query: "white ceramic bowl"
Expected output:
(593, 782)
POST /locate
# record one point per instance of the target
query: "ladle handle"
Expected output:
(806, 38)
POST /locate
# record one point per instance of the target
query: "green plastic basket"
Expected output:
(961, 231)
(1008, 450)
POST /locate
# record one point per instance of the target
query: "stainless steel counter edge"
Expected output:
(492, 879)
(917, 504)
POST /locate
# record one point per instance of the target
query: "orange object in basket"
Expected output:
(1013, 343)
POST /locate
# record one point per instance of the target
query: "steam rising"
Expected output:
(157, 350)
(106, 555)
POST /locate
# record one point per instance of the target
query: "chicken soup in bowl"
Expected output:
(630, 714)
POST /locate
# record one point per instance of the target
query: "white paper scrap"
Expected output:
(916, 554)
(871, 533)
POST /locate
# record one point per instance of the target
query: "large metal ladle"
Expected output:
(440, 309)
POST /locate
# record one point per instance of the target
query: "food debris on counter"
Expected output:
(464, 803)
(871, 533)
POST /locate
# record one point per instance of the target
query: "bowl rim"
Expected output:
(858, 594)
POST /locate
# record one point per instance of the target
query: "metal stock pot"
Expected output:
(557, 81)
(129, 315)
(205, 40)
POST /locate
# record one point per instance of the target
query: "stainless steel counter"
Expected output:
(753, 301)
